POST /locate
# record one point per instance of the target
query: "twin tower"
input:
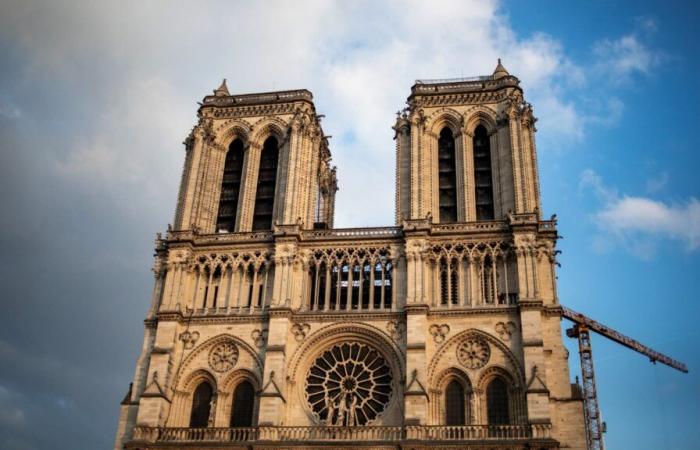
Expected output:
(268, 327)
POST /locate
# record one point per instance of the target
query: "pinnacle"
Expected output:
(222, 90)
(500, 71)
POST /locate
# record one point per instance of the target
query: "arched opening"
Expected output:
(455, 401)
(497, 402)
(267, 179)
(243, 402)
(201, 405)
(449, 281)
(230, 188)
(482, 174)
(447, 176)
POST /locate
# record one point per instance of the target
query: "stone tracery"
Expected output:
(349, 384)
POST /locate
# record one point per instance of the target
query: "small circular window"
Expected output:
(349, 385)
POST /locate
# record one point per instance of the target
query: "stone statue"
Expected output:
(331, 409)
(342, 408)
(351, 411)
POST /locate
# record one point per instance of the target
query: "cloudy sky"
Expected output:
(96, 99)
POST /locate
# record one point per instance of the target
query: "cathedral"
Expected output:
(270, 328)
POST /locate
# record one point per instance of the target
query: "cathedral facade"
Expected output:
(268, 327)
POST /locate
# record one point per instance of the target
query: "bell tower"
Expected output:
(465, 151)
(238, 162)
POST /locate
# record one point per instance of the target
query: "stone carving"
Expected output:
(259, 337)
(350, 384)
(439, 332)
(505, 329)
(473, 352)
(189, 338)
(223, 356)
(300, 330)
(395, 329)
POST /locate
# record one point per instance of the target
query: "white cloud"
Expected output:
(139, 78)
(623, 57)
(639, 222)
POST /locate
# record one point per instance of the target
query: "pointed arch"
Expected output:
(453, 396)
(267, 184)
(447, 176)
(483, 176)
(201, 405)
(243, 405)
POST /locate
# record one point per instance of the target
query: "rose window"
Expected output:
(223, 356)
(473, 353)
(348, 385)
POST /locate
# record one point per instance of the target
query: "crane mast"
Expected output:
(581, 330)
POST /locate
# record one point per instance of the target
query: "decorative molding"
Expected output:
(473, 352)
(189, 338)
(223, 356)
(300, 330)
(439, 332)
(505, 329)
(395, 329)
(259, 337)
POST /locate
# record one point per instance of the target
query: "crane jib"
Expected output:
(592, 325)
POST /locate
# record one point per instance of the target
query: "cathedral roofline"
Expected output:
(483, 83)
(221, 98)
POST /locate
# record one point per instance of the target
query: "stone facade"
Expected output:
(433, 333)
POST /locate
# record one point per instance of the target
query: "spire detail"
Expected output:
(222, 91)
(500, 71)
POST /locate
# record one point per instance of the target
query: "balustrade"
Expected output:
(348, 434)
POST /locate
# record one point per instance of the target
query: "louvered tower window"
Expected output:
(447, 176)
(497, 402)
(454, 404)
(201, 404)
(482, 174)
(230, 188)
(265, 192)
(243, 399)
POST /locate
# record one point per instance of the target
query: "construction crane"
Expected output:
(582, 326)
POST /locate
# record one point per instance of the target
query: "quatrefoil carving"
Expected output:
(189, 338)
(439, 332)
(300, 330)
(505, 329)
(259, 337)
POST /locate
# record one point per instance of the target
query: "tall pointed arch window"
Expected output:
(455, 401)
(242, 408)
(267, 179)
(482, 174)
(201, 405)
(230, 187)
(447, 176)
(497, 402)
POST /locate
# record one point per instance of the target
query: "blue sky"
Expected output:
(95, 101)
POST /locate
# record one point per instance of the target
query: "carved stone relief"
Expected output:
(223, 357)
(473, 352)
(439, 332)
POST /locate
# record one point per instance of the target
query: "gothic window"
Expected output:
(455, 404)
(497, 402)
(201, 404)
(482, 174)
(230, 187)
(341, 286)
(242, 409)
(488, 280)
(265, 192)
(350, 384)
(447, 176)
(449, 281)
